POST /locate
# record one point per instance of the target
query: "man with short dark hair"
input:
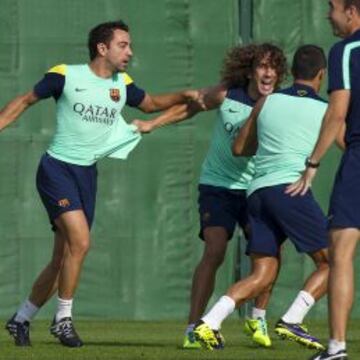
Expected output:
(89, 100)
(344, 211)
(281, 130)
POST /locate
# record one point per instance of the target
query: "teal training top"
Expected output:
(220, 167)
(89, 124)
(288, 127)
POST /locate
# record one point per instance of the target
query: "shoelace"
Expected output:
(263, 326)
(191, 336)
(23, 333)
(25, 329)
(209, 333)
(67, 329)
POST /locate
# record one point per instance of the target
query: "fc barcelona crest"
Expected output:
(302, 92)
(115, 95)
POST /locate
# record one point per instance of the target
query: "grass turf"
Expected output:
(112, 340)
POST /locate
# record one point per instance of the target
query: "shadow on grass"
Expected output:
(112, 344)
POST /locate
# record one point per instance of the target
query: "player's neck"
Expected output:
(355, 27)
(314, 84)
(253, 92)
(99, 68)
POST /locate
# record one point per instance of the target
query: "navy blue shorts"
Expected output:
(344, 210)
(65, 187)
(222, 207)
(275, 216)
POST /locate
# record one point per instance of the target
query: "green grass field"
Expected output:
(158, 340)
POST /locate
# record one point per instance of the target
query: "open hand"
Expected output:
(301, 186)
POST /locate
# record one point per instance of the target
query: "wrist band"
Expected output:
(311, 164)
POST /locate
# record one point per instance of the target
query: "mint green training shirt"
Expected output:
(89, 123)
(220, 167)
(288, 127)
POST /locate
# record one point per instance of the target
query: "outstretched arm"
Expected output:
(245, 144)
(12, 110)
(173, 115)
(333, 122)
(154, 103)
(209, 98)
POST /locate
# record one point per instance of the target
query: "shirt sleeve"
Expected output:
(337, 69)
(52, 84)
(134, 94)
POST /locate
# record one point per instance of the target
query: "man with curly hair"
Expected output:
(249, 72)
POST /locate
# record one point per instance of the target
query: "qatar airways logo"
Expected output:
(96, 113)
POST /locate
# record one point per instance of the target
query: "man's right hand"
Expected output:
(303, 184)
(144, 127)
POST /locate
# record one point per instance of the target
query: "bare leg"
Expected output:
(317, 283)
(74, 225)
(47, 282)
(341, 282)
(216, 239)
(263, 274)
(262, 301)
(264, 271)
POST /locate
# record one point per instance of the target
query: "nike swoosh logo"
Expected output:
(232, 111)
(78, 90)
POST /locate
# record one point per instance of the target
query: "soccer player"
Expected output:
(249, 72)
(89, 100)
(344, 211)
(282, 129)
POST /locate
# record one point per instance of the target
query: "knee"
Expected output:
(79, 247)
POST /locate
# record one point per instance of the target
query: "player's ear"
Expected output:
(101, 48)
(351, 12)
(321, 74)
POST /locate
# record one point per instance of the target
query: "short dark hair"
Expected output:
(356, 3)
(103, 33)
(308, 61)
